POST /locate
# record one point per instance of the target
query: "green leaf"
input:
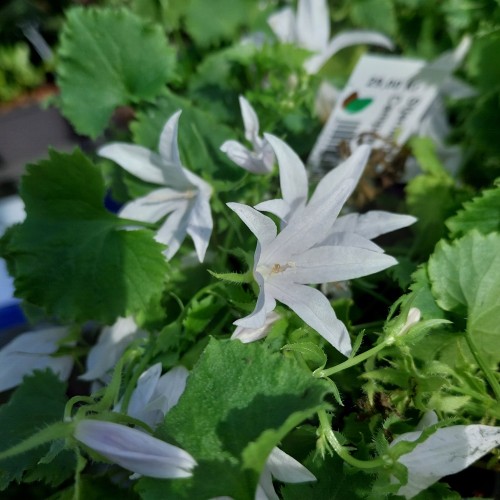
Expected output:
(483, 53)
(310, 351)
(226, 18)
(200, 314)
(424, 150)
(240, 401)
(374, 14)
(38, 402)
(432, 199)
(482, 213)
(464, 278)
(73, 258)
(103, 65)
(335, 481)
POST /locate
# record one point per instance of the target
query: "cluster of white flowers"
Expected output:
(314, 245)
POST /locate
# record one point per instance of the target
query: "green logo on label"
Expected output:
(353, 104)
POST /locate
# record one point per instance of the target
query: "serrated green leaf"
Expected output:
(200, 314)
(35, 404)
(310, 351)
(73, 258)
(432, 199)
(481, 213)
(464, 278)
(239, 402)
(102, 65)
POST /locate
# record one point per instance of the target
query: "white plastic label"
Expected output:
(385, 98)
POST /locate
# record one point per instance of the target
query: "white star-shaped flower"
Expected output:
(447, 451)
(261, 159)
(305, 252)
(184, 200)
(309, 28)
(295, 188)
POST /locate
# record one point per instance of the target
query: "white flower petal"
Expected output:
(325, 264)
(111, 344)
(200, 225)
(343, 40)
(143, 392)
(286, 469)
(32, 351)
(171, 386)
(352, 168)
(293, 177)
(315, 310)
(167, 146)
(280, 208)
(250, 120)
(247, 335)
(283, 25)
(265, 304)
(136, 160)
(373, 223)
(347, 239)
(135, 450)
(313, 24)
(305, 231)
(261, 226)
(447, 451)
(174, 230)
(153, 206)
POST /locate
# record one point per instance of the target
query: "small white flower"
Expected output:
(33, 351)
(309, 28)
(184, 200)
(284, 468)
(447, 451)
(155, 394)
(305, 252)
(247, 335)
(261, 159)
(135, 450)
(111, 344)
(294, 188)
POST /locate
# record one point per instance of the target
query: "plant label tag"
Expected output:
(385, 99)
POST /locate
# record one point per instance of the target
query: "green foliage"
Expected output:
(231, 431)
(375, 14)
(481, 213)
(38, 402)
(69, 239)
(17, 73)
(431, 197)
(464, 278)
(200, 134)
(226, 19)
(102, 65)
(335, 481)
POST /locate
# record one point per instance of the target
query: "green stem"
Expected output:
(351, 361)
(489, 375)
(327, 431)
(59, 430)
